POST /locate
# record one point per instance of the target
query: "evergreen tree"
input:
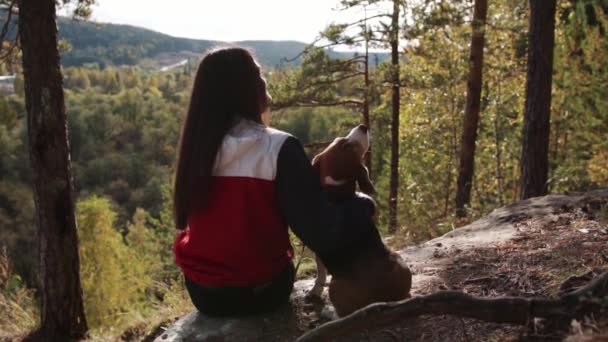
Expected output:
(535, 148)
(471, 113)
(107, 291)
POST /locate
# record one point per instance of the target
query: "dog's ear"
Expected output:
(331, 161)
(365, 184)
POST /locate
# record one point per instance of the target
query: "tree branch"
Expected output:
(349, 102)
(510, 310)
(4, 31)
(303, 52)
(346, 64)
(356, 59)
(7, 55)
(325, 46)
(317, 145)
(9, 18)
(334, 80)
(361, 21)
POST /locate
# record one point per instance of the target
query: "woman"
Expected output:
(238, 185)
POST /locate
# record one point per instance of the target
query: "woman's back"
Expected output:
(239, 237)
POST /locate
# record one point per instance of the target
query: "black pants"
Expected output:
(242, 301)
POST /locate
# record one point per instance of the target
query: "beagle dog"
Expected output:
(377, 274)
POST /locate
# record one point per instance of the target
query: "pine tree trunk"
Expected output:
(366, 119)
(498, 153)
(394, 178)
(535, 148)
(471, 114)
(62, 313)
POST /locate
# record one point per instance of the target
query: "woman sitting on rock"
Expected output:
(239, 184)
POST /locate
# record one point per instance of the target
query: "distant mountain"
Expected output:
(112, 44)
(121, 44)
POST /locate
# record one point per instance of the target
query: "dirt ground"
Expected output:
(529, 249)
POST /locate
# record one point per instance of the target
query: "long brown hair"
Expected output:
(228, 86)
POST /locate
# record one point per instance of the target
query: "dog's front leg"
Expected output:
(317, 289)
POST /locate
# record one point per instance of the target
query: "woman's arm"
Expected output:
(333, 232)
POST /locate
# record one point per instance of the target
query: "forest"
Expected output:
(124, 120)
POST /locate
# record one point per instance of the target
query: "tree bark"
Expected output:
(471, 114)
(498, 160)
(452, 150)
(394, 177)
(366, 119)
(62, 312)
(535, 148)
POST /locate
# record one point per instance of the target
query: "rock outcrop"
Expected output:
(430, 262)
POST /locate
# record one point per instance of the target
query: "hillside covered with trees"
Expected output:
(106, 44)
(124, 117)
(111, 44)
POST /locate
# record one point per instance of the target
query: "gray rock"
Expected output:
(276, 326)
(285, 324)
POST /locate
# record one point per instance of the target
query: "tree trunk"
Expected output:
(535, 148)
(471, 114)
(394, 178)
(498, 153)
(453, 150)
(62, 313)
(366, 120)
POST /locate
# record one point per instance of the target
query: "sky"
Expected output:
(226, 20)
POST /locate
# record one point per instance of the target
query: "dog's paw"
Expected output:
(329, 313)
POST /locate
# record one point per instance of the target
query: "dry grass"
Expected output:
(148, 322)
(18, 309)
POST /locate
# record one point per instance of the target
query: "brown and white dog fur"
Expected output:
(371, 278)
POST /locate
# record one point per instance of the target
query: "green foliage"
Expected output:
(598, 170)
(105, 273)
(143, 245)
(434, 79)
(81, 8)
(17, 225)
(311, 125)
(320, 81)
(580, 121)
(123, 278)
(124, 125)
(334, 33)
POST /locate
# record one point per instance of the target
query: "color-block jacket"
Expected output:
(263, 182)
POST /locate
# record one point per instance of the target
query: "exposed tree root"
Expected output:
(509, 310)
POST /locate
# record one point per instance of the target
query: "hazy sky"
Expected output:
(225, 20)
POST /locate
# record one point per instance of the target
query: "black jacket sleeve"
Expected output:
(334, 232)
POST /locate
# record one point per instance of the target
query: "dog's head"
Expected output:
(340, 165)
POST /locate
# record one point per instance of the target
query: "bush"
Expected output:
(104, 270)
